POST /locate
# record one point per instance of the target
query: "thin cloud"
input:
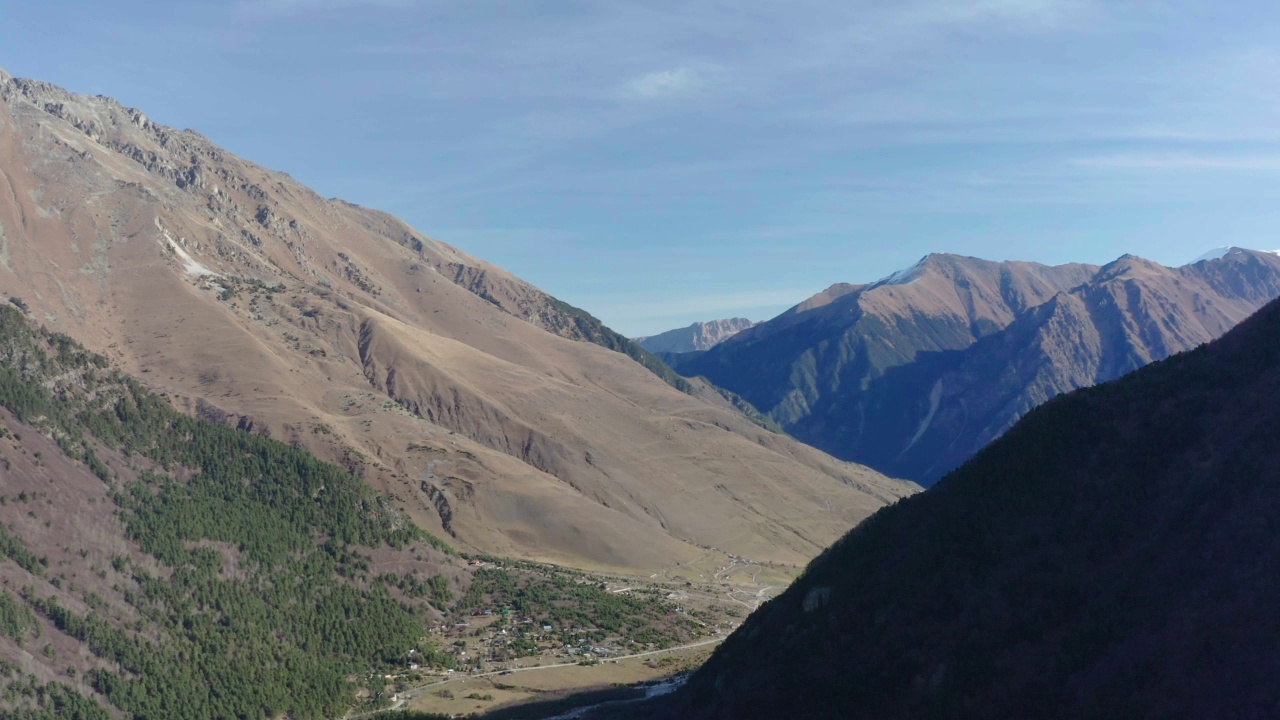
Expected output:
(393, 50)
(1023, 14)
(663, 84)
(265, 9)
(1138, 161)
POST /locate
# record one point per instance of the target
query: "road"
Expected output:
(759, 597)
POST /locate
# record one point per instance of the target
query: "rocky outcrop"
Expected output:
(698, 336)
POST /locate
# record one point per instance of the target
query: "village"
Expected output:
(561, 629)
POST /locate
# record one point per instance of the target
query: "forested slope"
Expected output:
(169, 567)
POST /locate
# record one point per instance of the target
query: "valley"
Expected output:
(150, 556)
(557, 645)
(1105, 557)
(271, 455)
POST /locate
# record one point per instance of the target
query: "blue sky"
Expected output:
(663, 162)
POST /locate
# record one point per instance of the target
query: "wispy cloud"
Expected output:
(393, 50)
(1019, 14)
(264, 9)
(1161, 161)
(663, 84)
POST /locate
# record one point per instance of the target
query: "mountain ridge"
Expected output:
(697, 336)
(511, 422)
(920, 351)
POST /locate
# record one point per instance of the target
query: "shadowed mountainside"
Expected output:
(1110, 556)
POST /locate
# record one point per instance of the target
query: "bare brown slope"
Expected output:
(246, 297)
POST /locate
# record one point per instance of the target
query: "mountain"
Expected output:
(1112, 555)
(698, 336)
(914, 374)
(492, 412)
(155, 565)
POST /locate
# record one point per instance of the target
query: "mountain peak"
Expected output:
(945, 264)
(1213, 254)
(697, 336)
(907, 275)
(1128, 265)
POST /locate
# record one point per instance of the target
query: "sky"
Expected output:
(659, 163)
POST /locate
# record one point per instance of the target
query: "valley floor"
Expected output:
(718, 588)
(486, 692)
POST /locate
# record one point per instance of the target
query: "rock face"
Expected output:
(1110, 556)
(492, 411)
(698, 336)
(914, 374)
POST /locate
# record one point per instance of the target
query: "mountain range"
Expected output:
(245, 430)
(1110, 556)
(915, 373)
(698, 336)
(492, 412)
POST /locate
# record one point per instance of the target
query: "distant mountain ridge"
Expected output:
(1110, 556)
(916, 372)
(698, 336)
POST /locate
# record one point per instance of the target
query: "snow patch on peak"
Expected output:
(905, 276)
(1219, 253)
(1213, 254)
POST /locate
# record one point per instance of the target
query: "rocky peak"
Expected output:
(698, 336)
(1129, 265)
